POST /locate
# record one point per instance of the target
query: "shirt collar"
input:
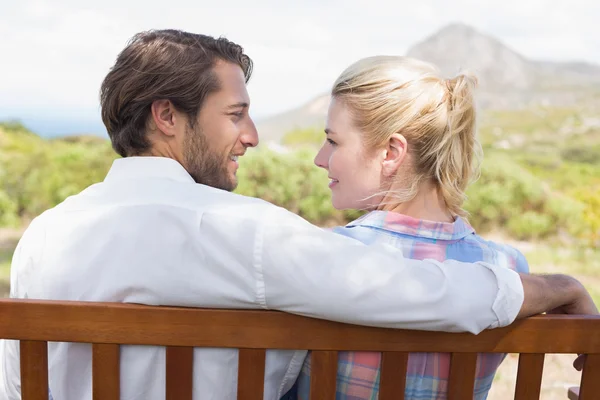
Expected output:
(147, 167)
(404, 224)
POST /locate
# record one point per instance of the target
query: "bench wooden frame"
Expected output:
(107, 325)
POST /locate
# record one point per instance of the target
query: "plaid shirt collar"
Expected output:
(406, 225)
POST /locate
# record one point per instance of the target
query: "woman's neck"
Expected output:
(427, 204)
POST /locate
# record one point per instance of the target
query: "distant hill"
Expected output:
(60, 125)
(308, 115)
(508, 80)
(457, 47)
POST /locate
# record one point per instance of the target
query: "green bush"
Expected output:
(503, 189)
(530, 225)
(312, 137)
(289, 180)
(567, 214)
(37, 174)
(590, 199)
(582, 154)
(525, 200)
(508, 197)
(8, 211)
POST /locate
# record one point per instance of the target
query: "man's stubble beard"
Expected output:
(205, 165)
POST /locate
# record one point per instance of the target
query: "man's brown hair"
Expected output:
(161, 65)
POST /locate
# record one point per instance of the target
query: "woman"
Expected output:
(401, 144)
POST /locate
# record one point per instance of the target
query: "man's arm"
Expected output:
(309, 271)
(559, 294)
(556, 294)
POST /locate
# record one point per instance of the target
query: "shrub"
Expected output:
(37, 174)
(313, 137)
(530, 225)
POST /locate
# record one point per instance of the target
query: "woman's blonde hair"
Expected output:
(387, 95)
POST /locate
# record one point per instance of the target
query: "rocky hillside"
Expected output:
(508, 80)
(458, 47)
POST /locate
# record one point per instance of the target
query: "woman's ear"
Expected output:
(395, 152)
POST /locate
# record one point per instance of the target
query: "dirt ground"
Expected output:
(559, 375)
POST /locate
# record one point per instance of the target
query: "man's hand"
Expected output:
(582, 304)
(578, 363)
(556, 294)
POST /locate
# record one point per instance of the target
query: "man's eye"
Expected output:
(331, 142)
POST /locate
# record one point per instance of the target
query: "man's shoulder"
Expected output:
(152, 199)
(159, 193)
(223, 202)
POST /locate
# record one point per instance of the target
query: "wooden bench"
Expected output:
(107, 325)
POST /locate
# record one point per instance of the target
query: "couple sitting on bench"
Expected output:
(163, 228)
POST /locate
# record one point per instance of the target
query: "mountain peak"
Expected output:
(507, 80)
(457, 46)
(458, 28)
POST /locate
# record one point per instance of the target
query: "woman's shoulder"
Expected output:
(517, 258)
(366, 236)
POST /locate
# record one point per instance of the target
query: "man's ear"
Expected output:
(165, 117)
(395, 152)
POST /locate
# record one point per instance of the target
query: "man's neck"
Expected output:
(161, 151)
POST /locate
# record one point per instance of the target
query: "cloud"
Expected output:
(58, 52)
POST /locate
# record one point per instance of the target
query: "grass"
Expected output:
(584, 264)
(8, 241)
(5, 258)
(575, 261)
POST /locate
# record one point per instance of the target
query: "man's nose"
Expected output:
(249, 137)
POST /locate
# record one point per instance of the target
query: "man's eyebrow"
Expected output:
(241, 104)
(329, 131)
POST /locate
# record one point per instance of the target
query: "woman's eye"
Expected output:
(331, 142)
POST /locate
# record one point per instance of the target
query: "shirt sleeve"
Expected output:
(309, 271)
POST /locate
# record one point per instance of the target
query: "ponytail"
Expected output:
(457, 154)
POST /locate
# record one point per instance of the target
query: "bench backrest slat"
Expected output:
(590, 378)
(88, 322)
(179, 372)
(106, 374)
(462, 376)
(251, 374)
(392, 381)
(34, 370)
(323, 373)
(107, 326)
(529, 376)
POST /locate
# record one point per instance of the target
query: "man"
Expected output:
(163, 228)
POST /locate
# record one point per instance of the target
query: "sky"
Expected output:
(54, 54)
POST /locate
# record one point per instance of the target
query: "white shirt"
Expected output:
(149, 234)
